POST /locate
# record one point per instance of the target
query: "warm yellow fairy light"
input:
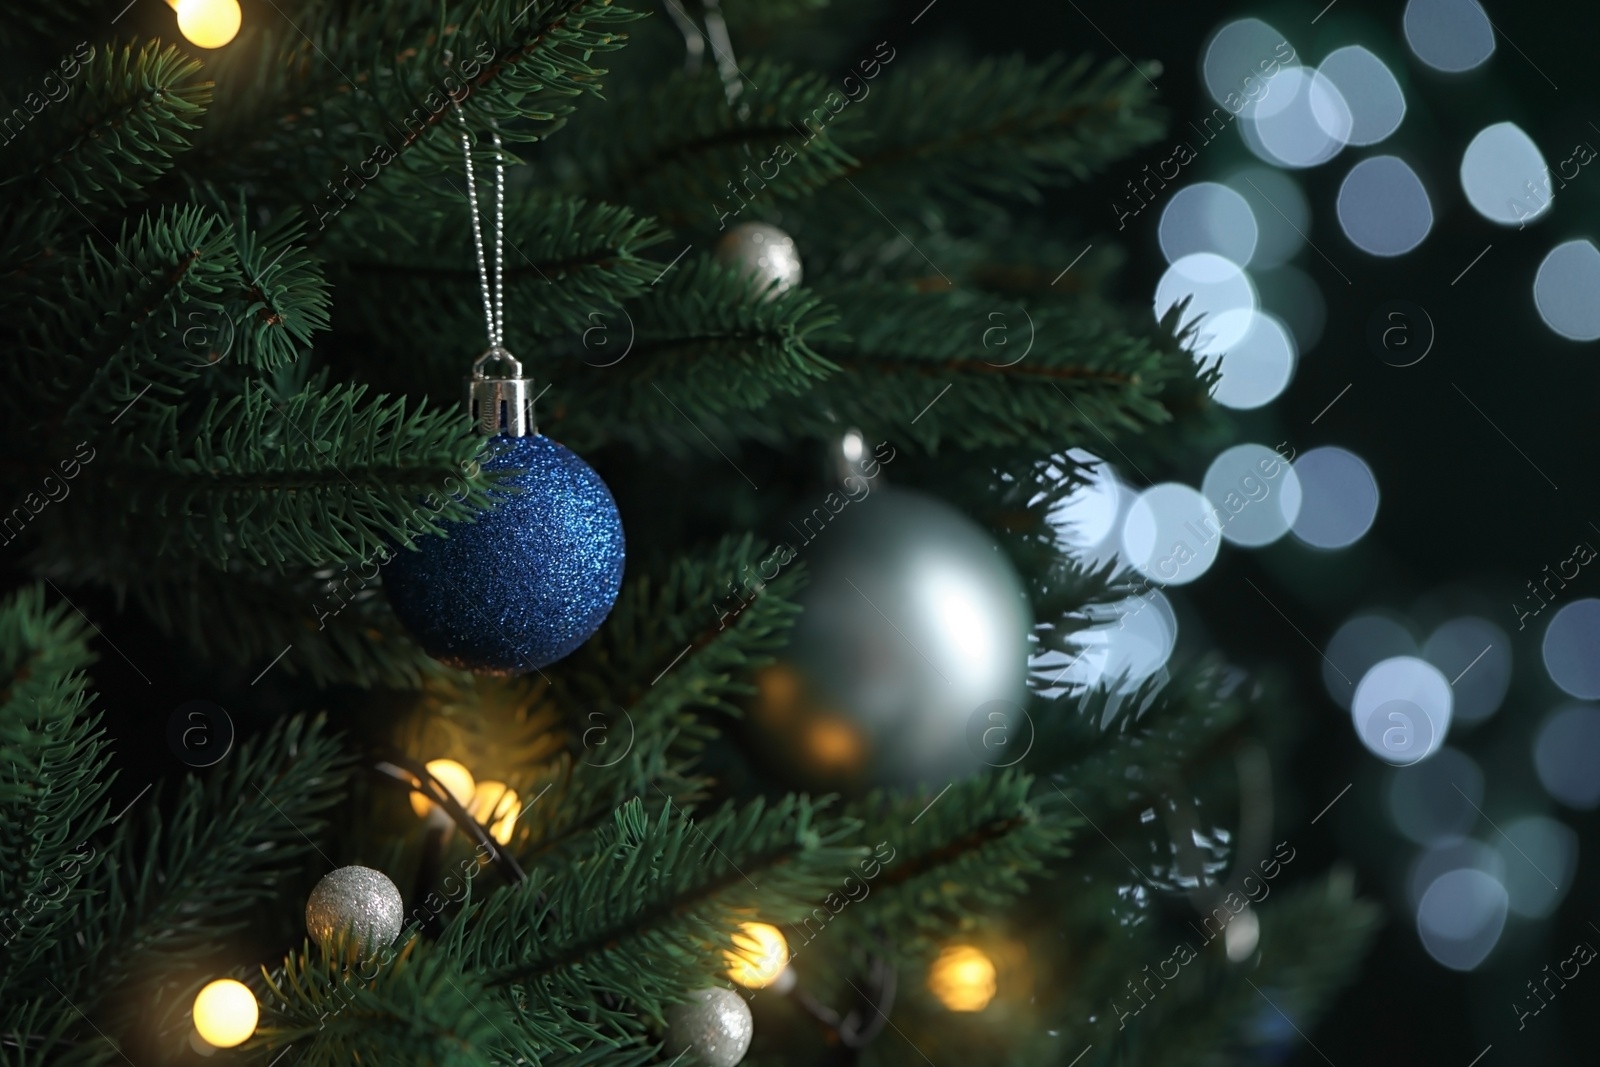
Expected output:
(456, 779)
(207, 23)
(498, 808)
(760, 954)
(962, 978)
(225, 1013)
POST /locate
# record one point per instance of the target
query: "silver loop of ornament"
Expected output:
(494, 352)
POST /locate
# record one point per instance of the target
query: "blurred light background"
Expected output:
(1390, 241)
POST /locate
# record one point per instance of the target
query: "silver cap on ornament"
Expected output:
(500, 405)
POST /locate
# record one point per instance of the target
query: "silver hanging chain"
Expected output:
(727, 68)
(716, 34)
(494, 296)
(694, 45)
(499, 404)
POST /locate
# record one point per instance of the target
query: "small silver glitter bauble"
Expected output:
(762, 253)
(715, 1022)
(909, 663)
(359, 900)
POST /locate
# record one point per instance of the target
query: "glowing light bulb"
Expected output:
(759, 955)
(207, 23)
(962, 978)
(854, 445)
(835, 745)
(225, 1013)
(1241, 936)
(497, 807)
(457, 781)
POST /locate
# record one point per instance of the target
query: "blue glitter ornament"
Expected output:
(526, 583)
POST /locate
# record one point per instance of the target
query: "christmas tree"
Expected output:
(242, 290)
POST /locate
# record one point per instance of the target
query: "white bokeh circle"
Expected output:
(1567, 290)
(1388, 702)
(1170, 535)
(1208, 217)
(1505, 176)
(1215, 285)
(1370, 91)
(1383, 208)
(1340, 501)
(1256, 490)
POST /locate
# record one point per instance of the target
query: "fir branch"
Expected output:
(504, 728)
(33, 1031)
(283, 299)
(969, 850)
(706, 344)
(543, 60)
(407, 1007)
(517, 65)
(1000, 128)
(341, 628)
(128, 114)
(322, 474)
(919, 366)
(53, 759)
(677, 643)
(669, 889)
(678, 150)
(569, 265)
(1167, 725)
(607, 1054)
(1124, 753)
(1210, 1013)
(707, 616)
(176, 882)
(135, 299)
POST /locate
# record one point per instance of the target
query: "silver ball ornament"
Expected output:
(764, 254)
(358, 900)
(909, 662)
(715, 1023)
